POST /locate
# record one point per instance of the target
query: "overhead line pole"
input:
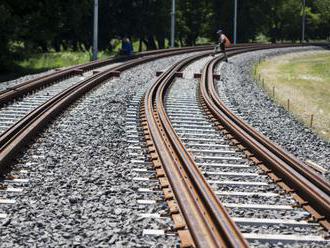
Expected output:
(235, 22)
(173, 23)
(95, 29)
(303, 23)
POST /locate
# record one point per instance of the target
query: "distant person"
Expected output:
(126, 47)
(223, 43)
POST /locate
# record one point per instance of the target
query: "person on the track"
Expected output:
(222, 44)
(126, 47)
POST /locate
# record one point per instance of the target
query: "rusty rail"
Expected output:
(23, 88)
(306, 186)
(206, 219)
(13, 139)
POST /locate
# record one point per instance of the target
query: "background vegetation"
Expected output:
(42, 26)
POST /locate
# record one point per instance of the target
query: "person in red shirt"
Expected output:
(222, 44)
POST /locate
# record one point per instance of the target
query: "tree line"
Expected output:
(43, 25)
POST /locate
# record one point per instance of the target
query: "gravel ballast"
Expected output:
(239, 88)
(80, 191)
(231, 190)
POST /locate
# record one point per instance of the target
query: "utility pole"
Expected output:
(173, 23)
(303, 23)
(95, 30)
(235, 23)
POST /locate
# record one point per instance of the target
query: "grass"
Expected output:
(52, 60)
(302, 83)
(45, 61)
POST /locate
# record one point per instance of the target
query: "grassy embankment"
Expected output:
(302, 83)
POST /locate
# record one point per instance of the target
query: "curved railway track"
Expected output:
(21, 104)
(14, 91)
(192, 137)
(211, 166)
(21, 120)
(307, 187)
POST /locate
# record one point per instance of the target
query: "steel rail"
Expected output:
(11, 132)
(25, 87)
(20, 89)
(207, 219)
(13, 139)
(311, 188)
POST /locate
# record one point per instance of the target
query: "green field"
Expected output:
(45, 61)
(302, 83)
(52, 60)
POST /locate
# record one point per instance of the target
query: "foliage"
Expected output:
(29, 27)
(6, 27)
(52, 60)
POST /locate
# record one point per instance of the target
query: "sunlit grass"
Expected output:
(45, 61)
(304, 80)
(40, 62)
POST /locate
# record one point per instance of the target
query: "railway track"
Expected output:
(20, 104)
(198, 159)
(17, 100)
(22, 115)
(15, 90)
(230, 185)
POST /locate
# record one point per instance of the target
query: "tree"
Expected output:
(6, 27)
(323, 8)
(45, 25)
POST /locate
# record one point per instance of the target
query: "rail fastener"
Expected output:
(178, 74)
(78, 72)
(199, 75)
(115, 74)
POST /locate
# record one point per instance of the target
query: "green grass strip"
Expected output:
(300, 82)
